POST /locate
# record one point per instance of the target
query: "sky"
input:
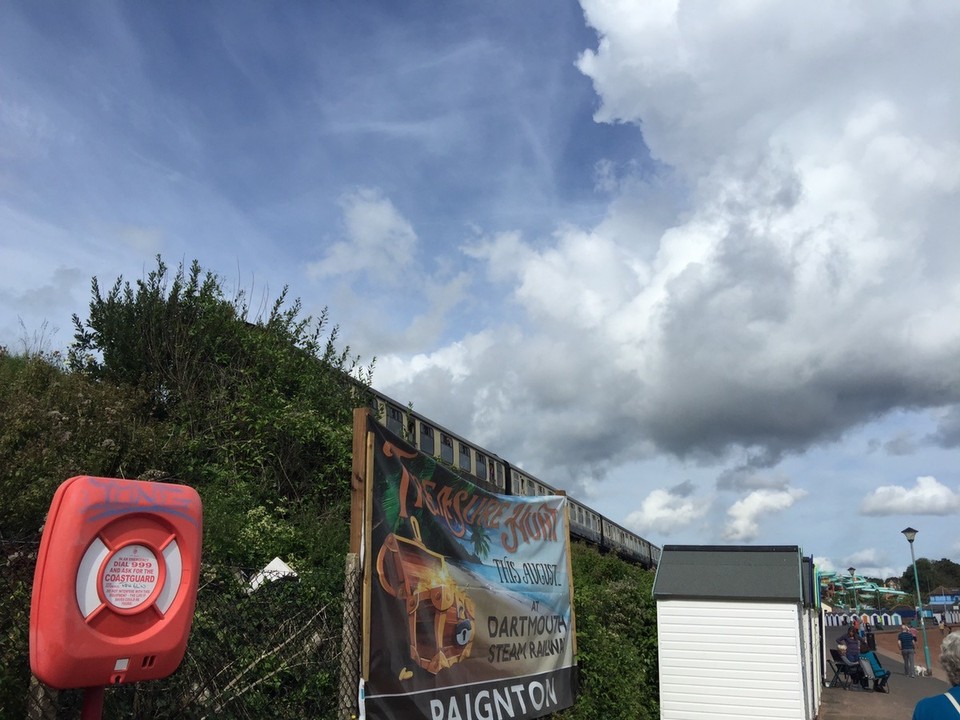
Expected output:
(695, 263)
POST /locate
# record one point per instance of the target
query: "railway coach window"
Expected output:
(481, 466)
(426, 439)
(394, 420)
(446, 448)
(465, 458)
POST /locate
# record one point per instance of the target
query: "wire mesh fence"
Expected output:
(288, 649)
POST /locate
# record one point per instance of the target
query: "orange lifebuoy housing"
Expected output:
(116, 582)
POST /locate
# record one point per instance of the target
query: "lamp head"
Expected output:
(910, 534)
(851, 570)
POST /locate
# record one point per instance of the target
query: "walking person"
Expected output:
(946, 705)
(908, 647)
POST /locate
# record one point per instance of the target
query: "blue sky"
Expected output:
(696, 263)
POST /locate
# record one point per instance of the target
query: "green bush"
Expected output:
(616, 638)
(56, 424)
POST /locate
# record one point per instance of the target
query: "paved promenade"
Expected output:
(898, 704)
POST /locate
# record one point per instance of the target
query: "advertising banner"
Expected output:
(467, 605)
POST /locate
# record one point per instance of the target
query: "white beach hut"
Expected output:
(738, 633)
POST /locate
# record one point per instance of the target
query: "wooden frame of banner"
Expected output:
(358, 477)
(361, 489)
(573, 610)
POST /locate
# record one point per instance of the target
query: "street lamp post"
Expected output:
(853, 584)
(911, 534)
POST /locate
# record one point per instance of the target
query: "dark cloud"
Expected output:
(902, 444)
(746, 477)
(684, 489)
(948, 429)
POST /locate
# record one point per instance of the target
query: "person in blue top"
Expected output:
(905, 641)
(946, 705)
(850, 646)
(852, 641)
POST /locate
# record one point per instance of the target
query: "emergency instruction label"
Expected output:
(130, 577)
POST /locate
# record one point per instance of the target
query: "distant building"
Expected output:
(945, 601)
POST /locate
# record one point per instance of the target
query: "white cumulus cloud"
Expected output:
(666, 511)
(378, 238)
(926, 497)
(824, 563)
(746, 515)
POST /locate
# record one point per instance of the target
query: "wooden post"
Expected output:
(354, 615)
(573, 611)
(358, 477)
(367, 558)
(360, 520)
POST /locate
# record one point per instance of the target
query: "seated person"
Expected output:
(880, 674)
(850, 647)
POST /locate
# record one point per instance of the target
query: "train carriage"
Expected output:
(495, 474)
(449, 448)
(585, 522)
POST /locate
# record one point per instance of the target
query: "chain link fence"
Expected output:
(289, 649)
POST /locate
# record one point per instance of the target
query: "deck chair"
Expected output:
(874, 671)
(850, 673)
(840, 677)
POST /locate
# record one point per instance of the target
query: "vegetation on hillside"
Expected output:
(933, 574)
(170, 379)
(616, 638)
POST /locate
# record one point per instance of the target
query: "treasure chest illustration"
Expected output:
(440, 616)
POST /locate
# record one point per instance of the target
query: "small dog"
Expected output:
(921, 671)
